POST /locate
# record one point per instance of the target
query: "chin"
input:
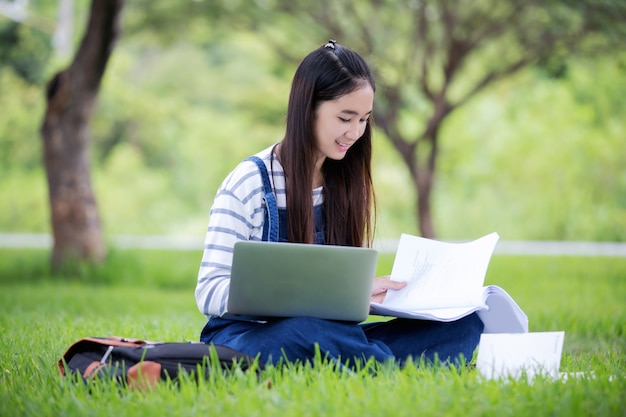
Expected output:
(337, 157)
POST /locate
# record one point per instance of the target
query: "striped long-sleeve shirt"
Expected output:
(237, 214)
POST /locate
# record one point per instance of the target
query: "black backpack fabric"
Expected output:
(141, 363)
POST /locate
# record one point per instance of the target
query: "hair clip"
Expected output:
(331, 44)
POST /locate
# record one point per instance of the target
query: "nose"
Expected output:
(354, 132)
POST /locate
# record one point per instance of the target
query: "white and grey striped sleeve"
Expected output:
(236, 214)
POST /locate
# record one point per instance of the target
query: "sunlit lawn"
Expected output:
(150, 295)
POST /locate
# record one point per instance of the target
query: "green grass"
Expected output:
(147, 294)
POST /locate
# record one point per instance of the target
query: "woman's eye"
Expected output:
(350, 120)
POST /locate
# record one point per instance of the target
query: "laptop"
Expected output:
(272, 279)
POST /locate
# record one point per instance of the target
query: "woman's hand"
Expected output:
(381, 285)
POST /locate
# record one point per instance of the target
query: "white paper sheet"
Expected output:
(504, 355)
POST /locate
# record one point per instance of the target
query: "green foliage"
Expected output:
(179, 129)
(541, 156)
(22, 111)
(20, 210)
(25, 50)
(533, 158)
(41, 315)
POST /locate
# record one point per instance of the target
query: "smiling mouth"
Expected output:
(343, 145)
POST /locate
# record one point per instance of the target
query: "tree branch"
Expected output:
(95, 49)
(422, 36)
(491, 77)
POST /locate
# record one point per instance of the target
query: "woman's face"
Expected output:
(340, 123)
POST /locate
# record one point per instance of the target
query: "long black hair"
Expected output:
(327, 73)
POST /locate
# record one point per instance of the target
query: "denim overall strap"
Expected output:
(270, 226)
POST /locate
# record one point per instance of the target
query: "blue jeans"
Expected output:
(295, 339)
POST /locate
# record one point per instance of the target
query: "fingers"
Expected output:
(378, 298)
(396, 285)
(385, 283)
(382, 284)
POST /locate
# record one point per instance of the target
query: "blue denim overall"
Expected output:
(295, 339)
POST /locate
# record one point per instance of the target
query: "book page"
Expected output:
(499, 313)
(436, 314)
(440, 274)
(503, 314)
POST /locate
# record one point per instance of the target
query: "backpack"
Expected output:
(142, 364)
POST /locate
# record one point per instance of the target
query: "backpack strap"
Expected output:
(270, 225)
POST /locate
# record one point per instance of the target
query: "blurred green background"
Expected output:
(540, 155)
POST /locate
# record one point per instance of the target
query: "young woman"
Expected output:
(321, 179)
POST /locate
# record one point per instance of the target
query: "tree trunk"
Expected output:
(71, 95)
(424, 184)
(422, 178)
(420, 157)
(425, 174)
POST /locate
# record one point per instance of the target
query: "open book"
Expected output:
(445, 282)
